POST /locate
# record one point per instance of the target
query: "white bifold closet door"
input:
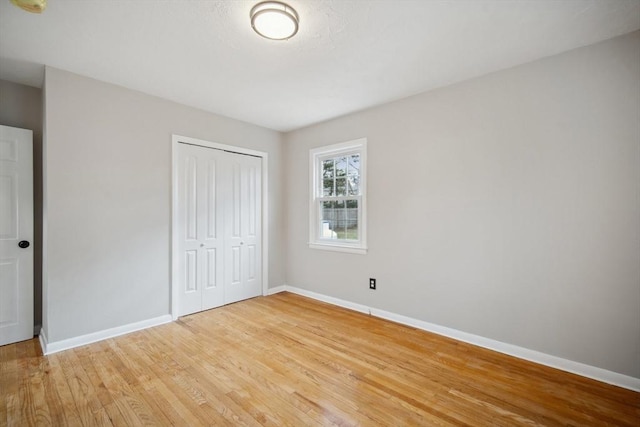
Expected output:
(219, 220)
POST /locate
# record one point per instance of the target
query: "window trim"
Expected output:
(316, 155)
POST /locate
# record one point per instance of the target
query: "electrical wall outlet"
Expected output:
(372, 283)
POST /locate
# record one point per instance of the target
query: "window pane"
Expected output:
(327, 188)
(340, 222)
(354, 164)
(341, 187)
(351, 220)
(353, 185)
(327, 169)
(351, 233)
(328, 220)
(341, 166)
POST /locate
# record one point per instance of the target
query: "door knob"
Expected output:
(202, 245)
(24, 244)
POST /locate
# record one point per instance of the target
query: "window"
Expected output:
(337, 207)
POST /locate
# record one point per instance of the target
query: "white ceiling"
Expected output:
(348, 55)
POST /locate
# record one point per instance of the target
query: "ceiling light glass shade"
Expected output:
(34, 6)
(274, 20)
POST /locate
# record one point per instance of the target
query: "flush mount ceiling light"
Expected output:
(274, 20)
(33, 6)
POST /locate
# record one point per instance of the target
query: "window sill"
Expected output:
(338, 248)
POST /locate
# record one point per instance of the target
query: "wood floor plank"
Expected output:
(85, 401)
(25, 402)
(59, 389)
(36, 389)
(289, 360)
(9, 383)
(51, 393)
(174, 388)
(113, 375)
(200, 359)
(147, 386)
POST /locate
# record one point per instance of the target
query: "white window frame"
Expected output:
(316, 156)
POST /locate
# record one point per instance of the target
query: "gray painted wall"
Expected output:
(21, 106)
(506, 206)
(108, 200)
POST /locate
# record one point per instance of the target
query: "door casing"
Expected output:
(175, 280)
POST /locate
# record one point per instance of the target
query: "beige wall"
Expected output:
(108, 200)
(21, 106)
(506, 206)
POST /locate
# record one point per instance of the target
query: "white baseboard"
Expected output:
(578, 368)
(331, 300)
(277, 289)
(43, 340)
(56, 346)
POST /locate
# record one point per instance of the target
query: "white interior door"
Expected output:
(219, 234)
(16, 234)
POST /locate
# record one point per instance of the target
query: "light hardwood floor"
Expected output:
(289, 360)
